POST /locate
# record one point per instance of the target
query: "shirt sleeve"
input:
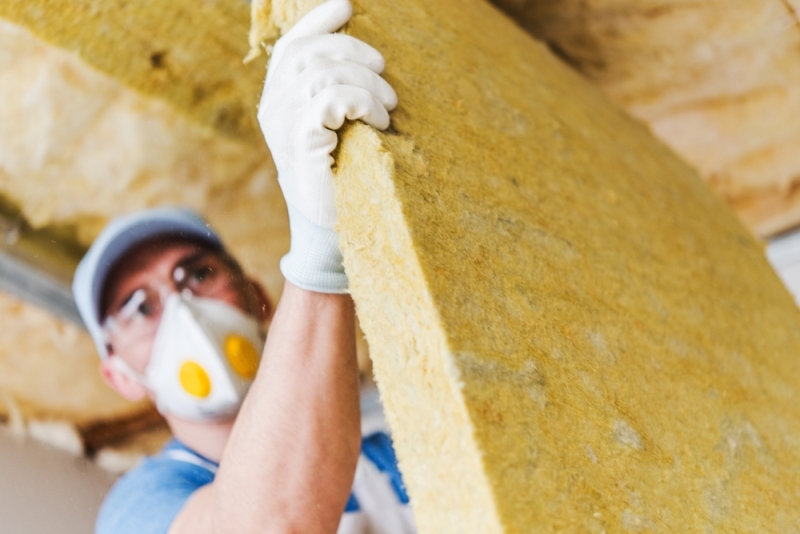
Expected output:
(147, 499)
(378, 448)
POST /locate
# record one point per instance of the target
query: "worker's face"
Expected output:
(141, 282)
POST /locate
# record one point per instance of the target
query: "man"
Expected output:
(175, 319)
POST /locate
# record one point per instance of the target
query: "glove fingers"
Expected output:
(323, 74)
(337, 47)
(325, 18)
(336, 103)
(320, 141)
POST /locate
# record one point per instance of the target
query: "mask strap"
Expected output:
(122, 366)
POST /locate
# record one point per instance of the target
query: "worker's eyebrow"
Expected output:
(179, 269)
(193, 257)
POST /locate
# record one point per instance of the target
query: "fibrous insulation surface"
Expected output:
(186, 53)
(48, 369)
(570, 332)
(79, 145)
(721, 86)
(107, 109)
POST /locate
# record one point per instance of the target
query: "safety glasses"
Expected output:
(206, 274)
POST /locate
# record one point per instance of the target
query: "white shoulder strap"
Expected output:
(186, 456)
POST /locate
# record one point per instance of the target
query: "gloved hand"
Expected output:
(316, 80)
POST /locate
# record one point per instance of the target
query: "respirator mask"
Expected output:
(205, 355)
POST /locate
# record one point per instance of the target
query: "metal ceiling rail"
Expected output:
(37, 265)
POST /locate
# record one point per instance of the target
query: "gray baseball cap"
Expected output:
(116, 239)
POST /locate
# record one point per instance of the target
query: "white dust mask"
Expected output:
(205, 356)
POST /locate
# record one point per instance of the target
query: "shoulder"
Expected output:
(147, 499)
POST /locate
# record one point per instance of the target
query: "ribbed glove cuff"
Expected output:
(314, 261)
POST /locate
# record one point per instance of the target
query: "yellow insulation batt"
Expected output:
(106, 109)
(720, 86)
(49, 370)
(570, 332)
(78, 146)
(185, 52)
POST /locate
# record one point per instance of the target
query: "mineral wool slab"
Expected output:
(181, 51)
(570, 332)
(720, 86)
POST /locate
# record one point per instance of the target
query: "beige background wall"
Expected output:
(47, 491)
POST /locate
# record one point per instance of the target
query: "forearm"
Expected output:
(290, 461)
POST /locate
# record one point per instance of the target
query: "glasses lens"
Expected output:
(205, 276)
(143, 306)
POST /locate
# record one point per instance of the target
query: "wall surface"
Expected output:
(46, 491)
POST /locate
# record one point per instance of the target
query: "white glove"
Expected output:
(316, 80)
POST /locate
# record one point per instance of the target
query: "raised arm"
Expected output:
(290, 461)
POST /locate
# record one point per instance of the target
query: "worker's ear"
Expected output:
(260, 301)
(121, 382)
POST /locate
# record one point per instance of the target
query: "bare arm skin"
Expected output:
(288, 466)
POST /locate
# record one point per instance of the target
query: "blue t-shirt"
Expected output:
(147, 499)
